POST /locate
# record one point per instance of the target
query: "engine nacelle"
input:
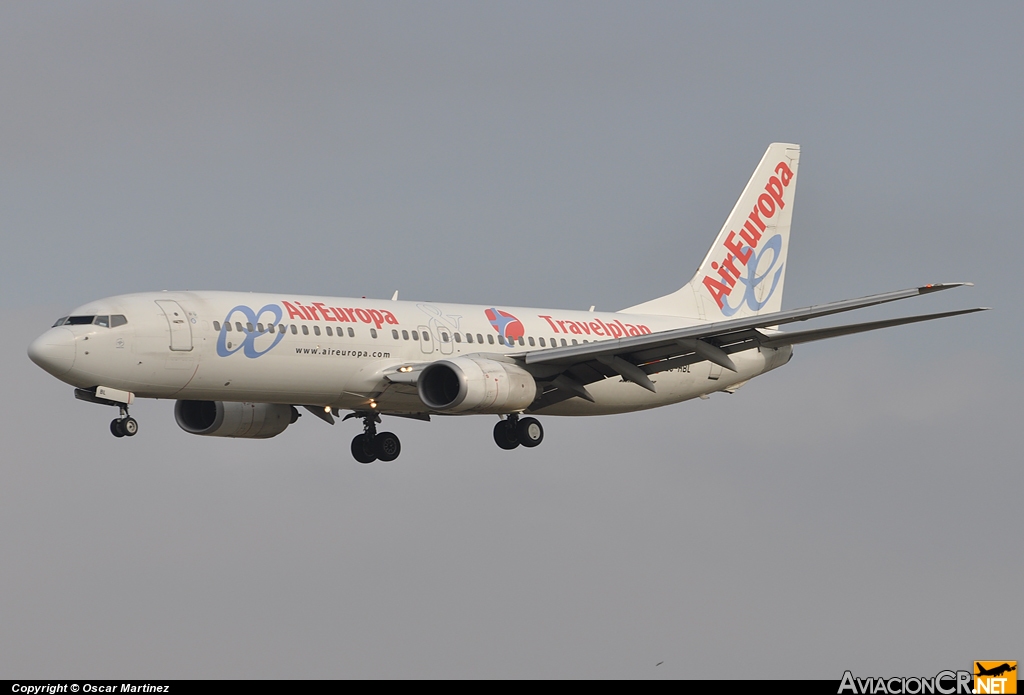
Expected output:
(230, 419)
(476, 385)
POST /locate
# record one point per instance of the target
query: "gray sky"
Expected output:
(853, 510)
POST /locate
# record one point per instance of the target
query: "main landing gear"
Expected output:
(513, 431)
(371, 445)
(124, 426)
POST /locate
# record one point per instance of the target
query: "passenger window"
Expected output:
(444, 337)
(479, 339)
(351, 332)
(490, 339)
(469, 337)
(238, 325)
(330, 332)
(394, 334)
(294, 330)
(458, 338)
(563, 342)
(405, 335)
(305, 330)
(316, 331)
(542, 343)
(117, 320)
(521, 341)
(531, 341)
(102, 321)
(248, 326)
(373, 332)
(216, 326)
(574, 342)
(259, 327)
(416, 335)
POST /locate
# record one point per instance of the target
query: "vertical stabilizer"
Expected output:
(743, 273)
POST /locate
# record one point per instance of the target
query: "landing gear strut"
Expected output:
(124, 426)
(371, 445)
(513, 431)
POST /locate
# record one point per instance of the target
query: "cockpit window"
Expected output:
(105, 321)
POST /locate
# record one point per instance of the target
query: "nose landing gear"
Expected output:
(513, 431)
(124, 426)
(372, 446)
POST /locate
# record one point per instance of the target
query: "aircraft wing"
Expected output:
(569, 369)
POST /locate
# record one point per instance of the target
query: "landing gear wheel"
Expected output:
(129, 426)
(362, 449)
(115, 428)
(386, 446)
(505, 435)
(530, 432)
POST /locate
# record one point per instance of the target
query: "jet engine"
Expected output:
(476, 385)
(230, 419)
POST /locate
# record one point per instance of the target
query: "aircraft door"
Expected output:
(445, 341)
(178, 324)
(426, 340)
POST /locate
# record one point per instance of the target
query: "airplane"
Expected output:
(243, 364)
(995, 671)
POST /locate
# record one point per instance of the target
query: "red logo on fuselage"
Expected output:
(613, 329)
(317, 311)
(507, 325)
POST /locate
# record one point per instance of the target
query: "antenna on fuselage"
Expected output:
(394, 297)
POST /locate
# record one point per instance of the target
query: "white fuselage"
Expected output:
(332, 352)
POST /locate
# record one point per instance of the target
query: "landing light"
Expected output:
(373, 404)
(405, 370)
(327, 408)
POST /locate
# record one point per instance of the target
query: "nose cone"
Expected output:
(54, 351)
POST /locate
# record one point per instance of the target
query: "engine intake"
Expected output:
(476, 385)
(231, 419)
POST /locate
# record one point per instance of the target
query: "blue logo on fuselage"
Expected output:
(247, 341)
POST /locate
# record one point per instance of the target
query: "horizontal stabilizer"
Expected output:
(796, 337)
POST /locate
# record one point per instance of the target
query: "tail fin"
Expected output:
(743, 273)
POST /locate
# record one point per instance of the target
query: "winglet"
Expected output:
(942, 286)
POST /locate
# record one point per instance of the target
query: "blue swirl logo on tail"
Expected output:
(247, 340)
(752, 280)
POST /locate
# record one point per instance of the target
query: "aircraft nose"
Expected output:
(54, 351)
